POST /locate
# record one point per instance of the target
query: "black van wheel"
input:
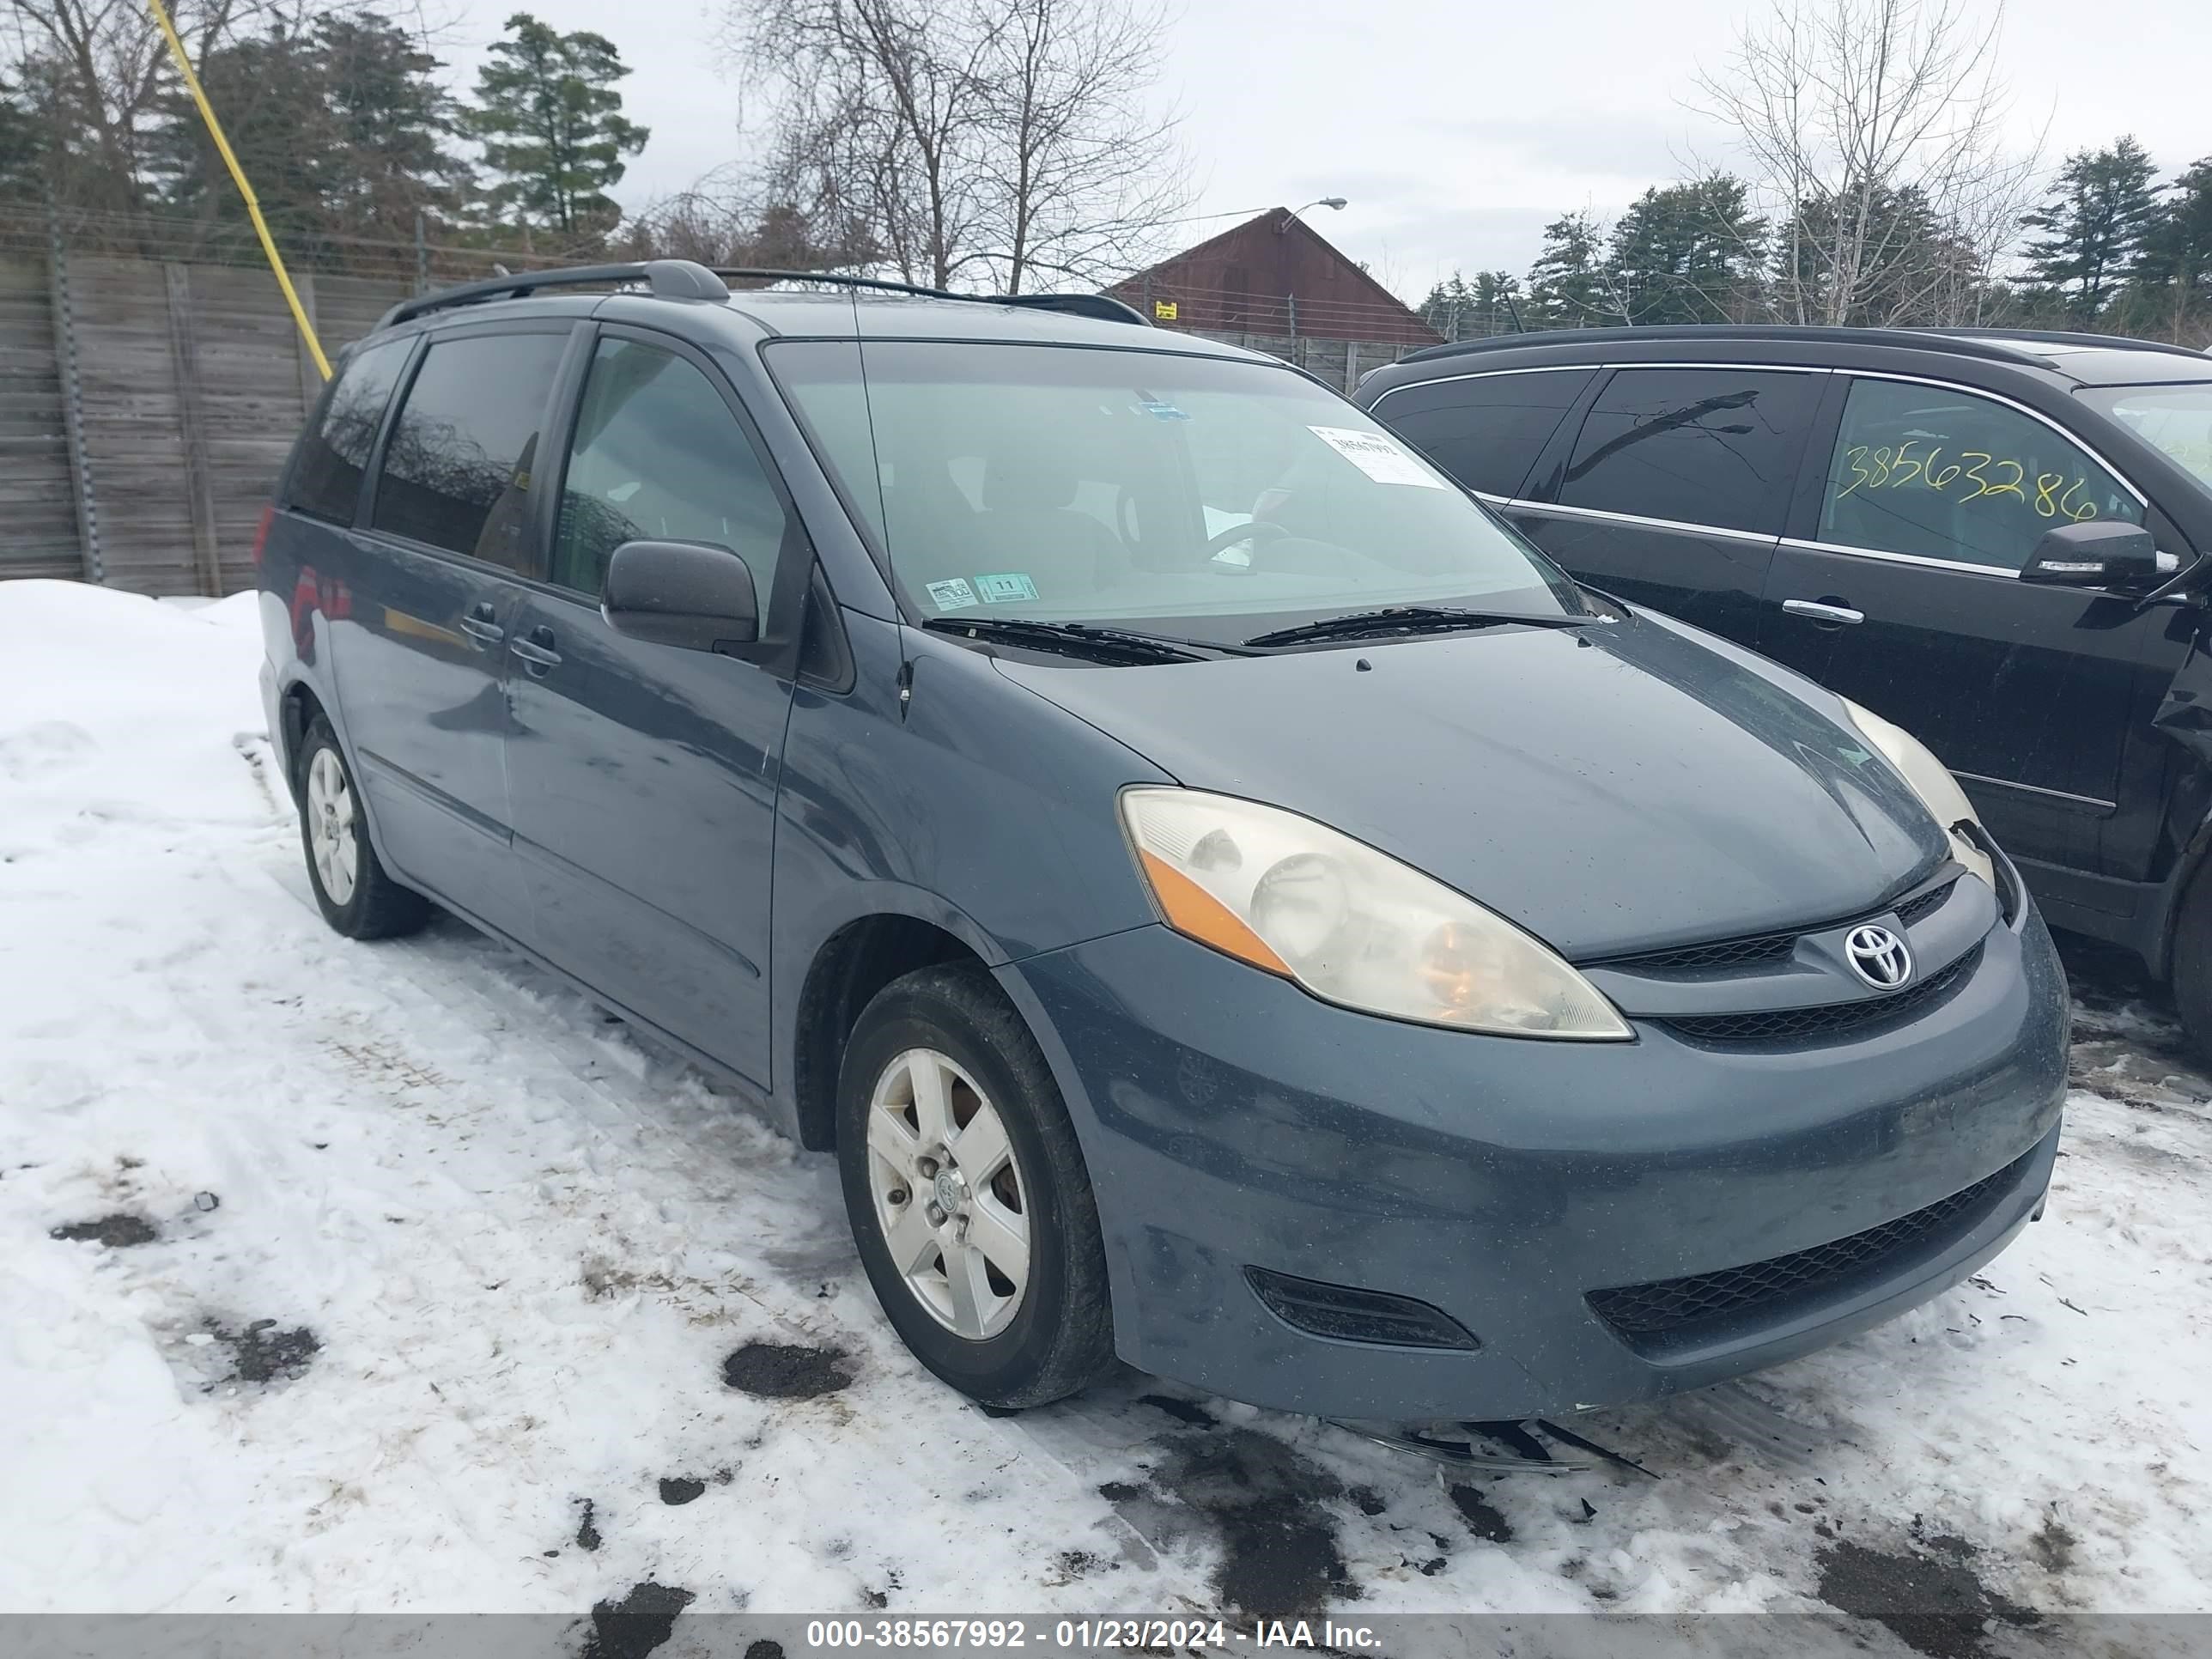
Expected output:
(968, 1194)
(2192, 962)
(354, 895)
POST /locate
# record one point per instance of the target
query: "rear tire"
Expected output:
(999, 1284)
(354, 895)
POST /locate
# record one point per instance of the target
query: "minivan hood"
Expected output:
(1614, 788)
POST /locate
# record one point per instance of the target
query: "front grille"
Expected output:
(1669, 1307)
(1721, 953)
(1757, 948)
(1782, 1027)
(1921, 904)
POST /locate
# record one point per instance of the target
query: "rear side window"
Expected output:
(1696, 446)
(457, 472)
(658, 456)
(1947, 475)
(326, 478)
(1486, 430)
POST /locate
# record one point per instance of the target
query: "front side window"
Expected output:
(326, 479)
(1945, 474)
(1090, 485)
(2177, 419)
(1486, 430)
(457, 471)
(658, 456)
(1713, 446)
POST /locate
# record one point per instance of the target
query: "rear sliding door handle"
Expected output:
(479, 626)
(1831, 614)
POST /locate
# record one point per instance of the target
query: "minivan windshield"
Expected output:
(1061, 483)
(2177, 419)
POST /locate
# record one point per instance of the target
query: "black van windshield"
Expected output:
(1066, 484)
(2177, 419)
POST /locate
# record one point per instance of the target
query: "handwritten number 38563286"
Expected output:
(1899, 468)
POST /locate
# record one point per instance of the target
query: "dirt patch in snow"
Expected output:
(636, 1625)
(1482, 1519)
(118, 1231)
(262, 1354)
(680, 1489)
(782, 1371)
(1930, 1598)
(1266, 1504)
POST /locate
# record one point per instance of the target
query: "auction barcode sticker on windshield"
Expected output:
(1377, 456)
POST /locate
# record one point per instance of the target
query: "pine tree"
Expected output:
(552, 128)
(1460, 310)
(2174, 269)
(20, 150)
(2100, 207)
(1687, 252)
(343, 127)
(1566, 285)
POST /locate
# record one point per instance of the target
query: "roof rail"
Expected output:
(1102, 306)
(2067, 336)
(669, 279)
(682, 279)
(1958, 345)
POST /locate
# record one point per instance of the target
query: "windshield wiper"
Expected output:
(1407, 619)
(1105, 644)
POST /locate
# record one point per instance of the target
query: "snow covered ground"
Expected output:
(415, 1283)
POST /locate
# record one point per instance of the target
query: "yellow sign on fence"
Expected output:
(1163, 311)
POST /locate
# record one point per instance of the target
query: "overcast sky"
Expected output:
(1456, 132)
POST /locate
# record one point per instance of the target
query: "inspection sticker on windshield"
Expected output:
(1005, 589)
(1377, 456)
(955, 595)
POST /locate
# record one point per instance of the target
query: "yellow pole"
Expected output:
(246, 190)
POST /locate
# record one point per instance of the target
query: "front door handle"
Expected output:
(478, 625)
(1835, 615)
(537, 650)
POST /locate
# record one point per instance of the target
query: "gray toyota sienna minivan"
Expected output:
(1224, 897)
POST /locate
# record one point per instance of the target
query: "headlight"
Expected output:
(1938, 790)
(1348, 923)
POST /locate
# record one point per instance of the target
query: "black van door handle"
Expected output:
(537, 650)
(1833, 615)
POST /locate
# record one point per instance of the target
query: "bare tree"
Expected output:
(999, 141)
(1877, 126)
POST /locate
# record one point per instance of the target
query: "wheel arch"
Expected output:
(847, 970)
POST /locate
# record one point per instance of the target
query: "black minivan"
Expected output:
(1876, 508)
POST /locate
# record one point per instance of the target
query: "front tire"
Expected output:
(967, 1193)
(354, 895)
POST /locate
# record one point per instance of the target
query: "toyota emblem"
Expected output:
(1878, 957)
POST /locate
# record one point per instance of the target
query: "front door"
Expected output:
(1674, 491)
(1902, 592)
(431, 599)
(644, 777)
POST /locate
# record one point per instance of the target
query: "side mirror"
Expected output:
(2097, 554)
(686, 594)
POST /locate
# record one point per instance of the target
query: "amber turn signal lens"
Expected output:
(1189, 908)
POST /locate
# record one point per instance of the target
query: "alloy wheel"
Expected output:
(333, 840)
(948, 1193)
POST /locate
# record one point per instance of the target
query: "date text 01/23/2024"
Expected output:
(1085, 1635)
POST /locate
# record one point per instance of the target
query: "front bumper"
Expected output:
(1231, 1120)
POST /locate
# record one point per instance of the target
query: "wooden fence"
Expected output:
(145, 408)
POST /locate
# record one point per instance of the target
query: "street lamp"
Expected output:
(1336, 202)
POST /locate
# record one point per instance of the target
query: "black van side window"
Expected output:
(326, 478)
(658, 456)
(1942, 473)
(1486, 430)
(457, 472)
(1696, 445)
